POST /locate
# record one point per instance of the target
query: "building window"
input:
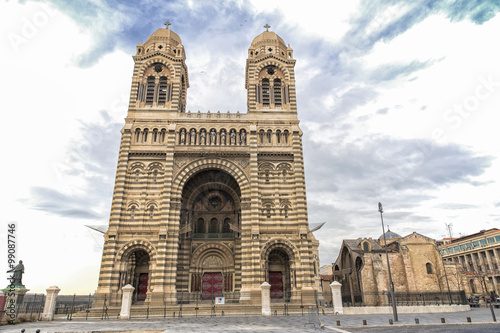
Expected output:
(226, 228)
(137, 134)
(277, 92)
(366, 246)
(155, 135)
(162, 93)
(475, 244)
(200, 226)
(483, 242)
(265, 92)
(214, 226)
(150, 92)
(428, 266)
(491, 240)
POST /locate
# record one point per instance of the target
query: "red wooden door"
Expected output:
(212, 285)
(143, 287)
(276, 282)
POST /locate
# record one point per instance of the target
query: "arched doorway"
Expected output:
(279, 273)
(135, 271)
(210, 215)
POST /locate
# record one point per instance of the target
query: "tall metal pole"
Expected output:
(394, 310)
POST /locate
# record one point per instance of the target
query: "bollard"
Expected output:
(364, 322)
(174, 314)
(443, 321)
(23, 330)
(391, 322)
(493, 313)
(37, 331)
(338, 322)
(417, 321)
(469, 320)
(222, 314)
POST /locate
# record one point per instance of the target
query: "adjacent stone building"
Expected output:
(477, 258)
(416, 267)
(208, 203)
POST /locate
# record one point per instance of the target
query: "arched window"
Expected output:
(137, 134)
(266, 174)
(269, 135)
(225, 228)
(155, 176)
(265, 92)
(277, 92)
(150, 92)
(261, 136)
(214, 226)
(162, 135)
(200, 226)
(286, 212)
(428, 266)
(278, 136)
(145, 135)
(285, 136)
(132, 210)
(162, 93)
(151, 211)
(155, 135)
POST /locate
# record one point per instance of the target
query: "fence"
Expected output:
(403, 299)
(29, 307)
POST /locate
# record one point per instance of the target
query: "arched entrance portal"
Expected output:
(135, 271)
(279, 274)
(209, 234)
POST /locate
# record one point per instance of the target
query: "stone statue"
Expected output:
(183, 136)
(17, 274)
(193, 136)
(223, 137)
(202, 137)
(243, 138)
(233, 137)
(212, 137)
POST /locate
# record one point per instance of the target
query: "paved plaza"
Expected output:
(292, 323)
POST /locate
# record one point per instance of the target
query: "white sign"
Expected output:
(219, 300)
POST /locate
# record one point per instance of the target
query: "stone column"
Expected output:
(337, 297)
(50, 303)
(266, 299)
(126, 301)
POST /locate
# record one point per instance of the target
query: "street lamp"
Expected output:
(394, 310)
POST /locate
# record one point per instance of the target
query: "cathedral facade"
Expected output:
(210, 204)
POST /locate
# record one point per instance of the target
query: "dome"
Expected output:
(389, 234)
(165, 34)
(268, 38)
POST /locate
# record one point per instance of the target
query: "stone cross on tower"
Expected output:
(267, 26)
(167, 24)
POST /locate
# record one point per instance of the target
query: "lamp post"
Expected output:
(394, 310)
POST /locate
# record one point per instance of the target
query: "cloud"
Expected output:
(57, 203)
(88, 173)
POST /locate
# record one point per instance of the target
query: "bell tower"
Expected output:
(270, 76)
(160, 78)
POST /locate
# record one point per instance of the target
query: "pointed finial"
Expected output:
(167, 24)
(267, 26)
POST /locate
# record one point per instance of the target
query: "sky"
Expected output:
(396, 100)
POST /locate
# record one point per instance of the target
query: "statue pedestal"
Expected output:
(15, 297)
